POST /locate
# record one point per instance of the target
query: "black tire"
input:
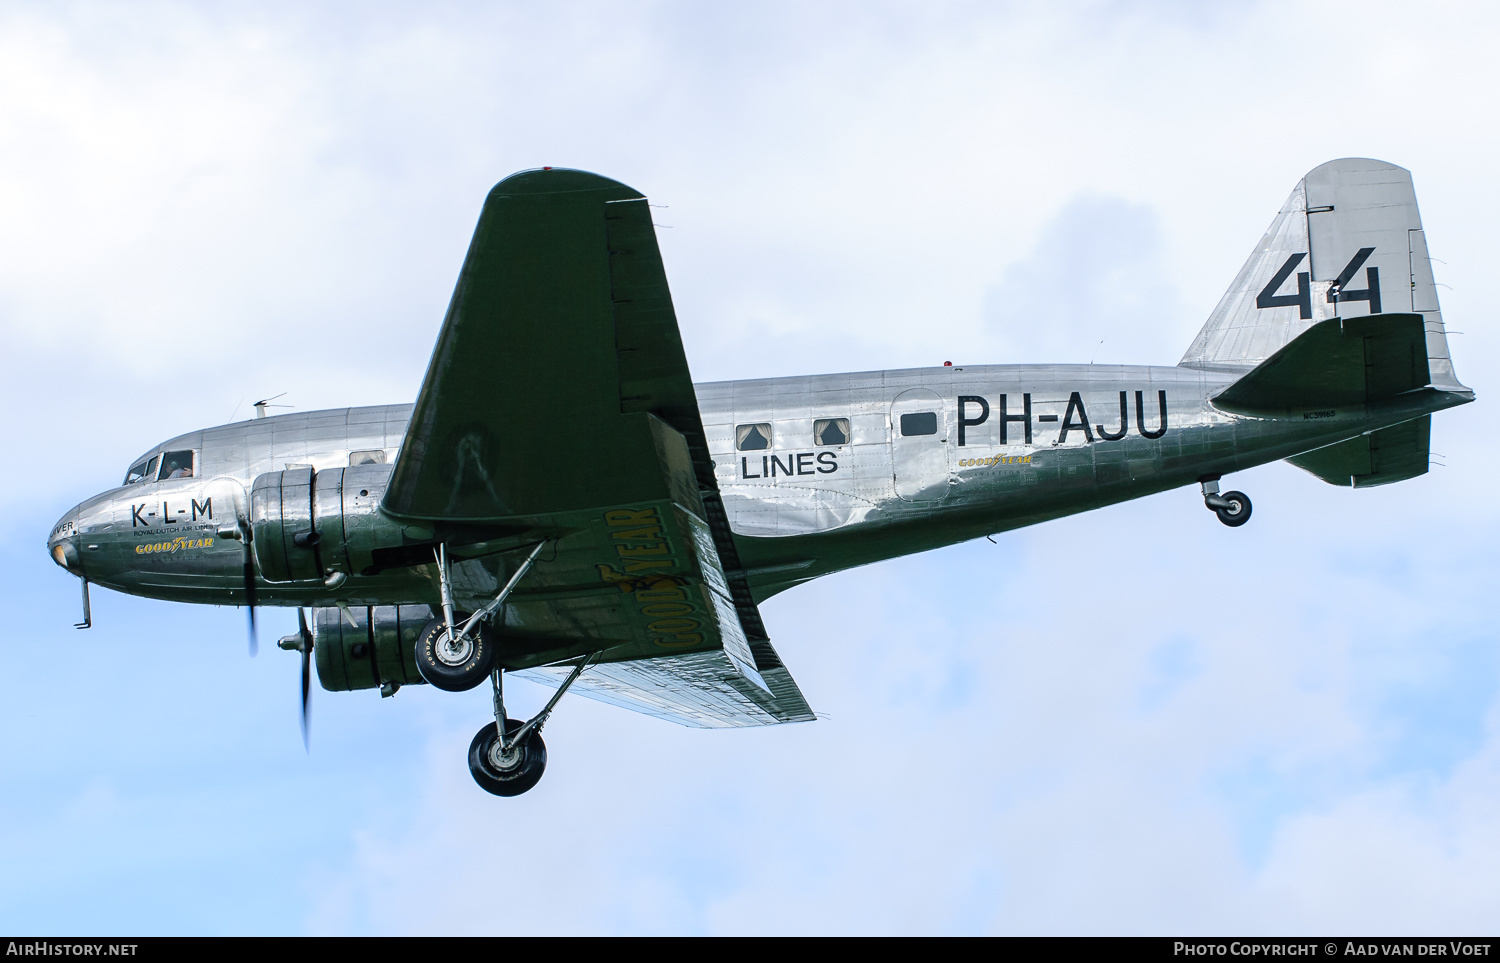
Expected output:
(503, 780)
(1238, 512)
(455, 671)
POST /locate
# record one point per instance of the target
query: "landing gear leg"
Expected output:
(510, 764)
(457, 661)
(1233, 508)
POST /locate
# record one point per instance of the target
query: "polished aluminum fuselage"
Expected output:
(1076, 437)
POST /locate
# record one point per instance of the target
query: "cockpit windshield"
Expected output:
(142, 471)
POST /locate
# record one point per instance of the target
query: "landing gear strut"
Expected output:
(457, 661)
(506, 757)
(512, 764)
(1233, 508)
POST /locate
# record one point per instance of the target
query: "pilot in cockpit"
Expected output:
(174, 464)
(177, 464)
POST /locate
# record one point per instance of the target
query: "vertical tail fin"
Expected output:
(1347, 243)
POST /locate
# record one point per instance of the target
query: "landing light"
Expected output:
(64, 554)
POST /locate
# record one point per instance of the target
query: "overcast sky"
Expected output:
(1135, 720)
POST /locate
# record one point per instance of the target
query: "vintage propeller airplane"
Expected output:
(430, 546)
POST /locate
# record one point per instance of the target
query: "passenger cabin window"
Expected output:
(176, 464)
(373, 457)
(752, 437)
(142, 471)
(919, 423)
(831, 431)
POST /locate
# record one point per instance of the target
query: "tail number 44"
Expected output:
(1338, 291)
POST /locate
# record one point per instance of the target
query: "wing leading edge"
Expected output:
(558, 404)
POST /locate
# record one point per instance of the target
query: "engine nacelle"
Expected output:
(307, 525)
(379, 647)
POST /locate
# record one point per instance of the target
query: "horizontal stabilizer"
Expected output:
(1389, 455)
(1334, 364)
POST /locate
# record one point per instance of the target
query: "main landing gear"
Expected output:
(507, 757)
(512, 764)
(508, 767)
(1233, 508)
(457, 661)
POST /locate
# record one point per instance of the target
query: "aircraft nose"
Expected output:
(62, 544)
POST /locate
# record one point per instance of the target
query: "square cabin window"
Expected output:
(919, 423)
(752, 437)
(375, 456)
(831, 431)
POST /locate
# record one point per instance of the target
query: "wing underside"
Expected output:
(702, 690)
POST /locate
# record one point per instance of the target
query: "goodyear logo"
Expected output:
(994, 460)
(670, 614)
(175, 545)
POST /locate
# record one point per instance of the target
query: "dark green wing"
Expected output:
(558, 404)
(533, 367)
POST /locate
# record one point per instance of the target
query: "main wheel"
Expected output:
(1238, 511)
(506, 773)
(455, 665)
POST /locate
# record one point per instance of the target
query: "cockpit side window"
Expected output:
(142, 471)
(176, 464)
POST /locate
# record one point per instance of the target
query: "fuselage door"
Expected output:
(919, 445)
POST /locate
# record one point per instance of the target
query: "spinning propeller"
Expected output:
(302, 642)
(250, 600)
(242, 532)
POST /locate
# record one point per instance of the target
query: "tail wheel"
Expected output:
(455, 664)
(506, 771)
(1236, 512)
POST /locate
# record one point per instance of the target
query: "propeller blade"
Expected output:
(250, 600)
(307, 645)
